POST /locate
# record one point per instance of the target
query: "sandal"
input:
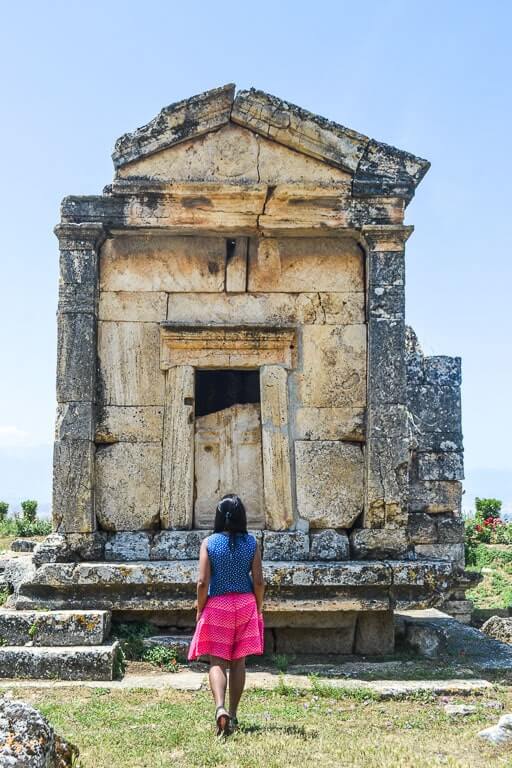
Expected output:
(223, 720)
(233, 723)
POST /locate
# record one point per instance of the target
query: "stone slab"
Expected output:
(291, 640)
(132, 545)
(54, 628)
(378, 543)
(278, 308)
(297, 265)
(128, 486)
(129, 364)
(329, 478)
(334, 366)
(76, 357)
(177, 545)
(440, 465)
(135, 306)
(73, 486)
(130, 424)
(375, 633)
(330, 424)
(285, 546)
(435, 496)
(93, 662)
(163, 263)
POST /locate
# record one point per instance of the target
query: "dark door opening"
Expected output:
(228, 456)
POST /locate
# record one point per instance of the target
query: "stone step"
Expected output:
(84, 662)
(59, 628)
(170, 586)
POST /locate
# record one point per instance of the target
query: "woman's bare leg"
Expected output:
(218, 679)
(236, 684)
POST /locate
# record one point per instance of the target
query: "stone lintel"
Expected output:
(247, 346)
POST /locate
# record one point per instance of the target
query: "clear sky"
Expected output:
(430, 77)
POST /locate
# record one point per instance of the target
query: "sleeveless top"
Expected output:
(230, 568)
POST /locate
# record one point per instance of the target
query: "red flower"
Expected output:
(478, 528)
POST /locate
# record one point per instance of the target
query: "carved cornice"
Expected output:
(386, 237)
(247, 346)
(84, 236)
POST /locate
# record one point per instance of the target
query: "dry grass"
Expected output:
(142, 729)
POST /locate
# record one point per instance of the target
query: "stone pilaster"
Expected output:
(177, 485)
(73, 458)
(387, 449)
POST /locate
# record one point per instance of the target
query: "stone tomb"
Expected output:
(231, 319)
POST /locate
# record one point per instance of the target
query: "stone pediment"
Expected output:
(253, 137)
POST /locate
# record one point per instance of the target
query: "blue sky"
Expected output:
(431, 77)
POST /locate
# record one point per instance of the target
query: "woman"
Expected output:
(229, 621)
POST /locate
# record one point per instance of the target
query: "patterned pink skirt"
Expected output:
(229, 627)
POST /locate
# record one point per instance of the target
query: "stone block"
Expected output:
(435, 496)
(278, 545)
(378, 543)
(28, 739)
(329, 478)
(450, 552)
(177, 545)
(163, 263)
(128, 486)
(330, 424)
(128, 545)
(389, 421)
(320, 308)
(54, 628)
(298, 265)
(76, 357)
(386, 361)
(290, 640)
(421, 528)
(334, 367)
(329, 545)
(434, 409)
(134, 306)
(73, 472)
(87, 662)
(386, 268)
(23, 545)
(129, 364)
(437, 442)
(424, 639)
(387, 464)
(375, 633)
(440, 466)
(499, 628)
(450, 529)
(442, 371)
(130, 424)
(53, 549)
(86, 546)
(75, 421)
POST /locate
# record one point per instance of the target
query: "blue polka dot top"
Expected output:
(230, 568)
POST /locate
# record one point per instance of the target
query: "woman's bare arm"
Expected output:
(203, 579)
(257, 578)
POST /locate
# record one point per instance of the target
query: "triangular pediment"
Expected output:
(252, 137)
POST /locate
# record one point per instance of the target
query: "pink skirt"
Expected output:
(229, 627)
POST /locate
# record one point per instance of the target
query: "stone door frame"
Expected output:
(185, 348)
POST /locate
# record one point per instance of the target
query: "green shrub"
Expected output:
(4, 508)
(163, 657)
(486, 508)
(29, 508)
(131, 637)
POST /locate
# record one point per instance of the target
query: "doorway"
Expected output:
(227, 443)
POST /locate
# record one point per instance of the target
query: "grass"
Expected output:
(138, 729)
(495, 590)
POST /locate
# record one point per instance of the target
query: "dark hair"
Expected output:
(230, 516)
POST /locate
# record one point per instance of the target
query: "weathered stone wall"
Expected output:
(435, 528)
(313, 284)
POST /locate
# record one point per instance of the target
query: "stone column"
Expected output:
(73, 458)
(387, 448)
(177, 487)
(276, 447)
